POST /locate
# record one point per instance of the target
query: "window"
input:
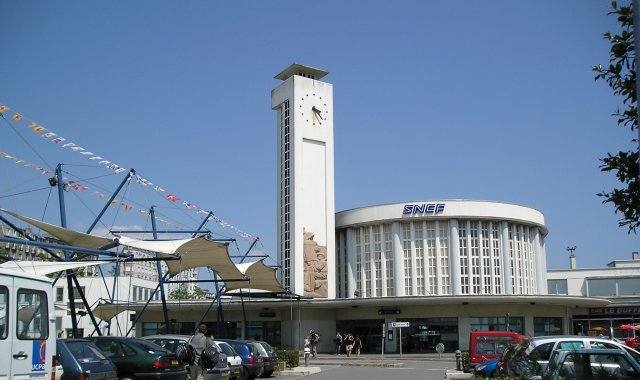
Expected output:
(557, 286)
(406, 249)
(388, 255)
(515, 324)
(32, 315)
(547, 326)
(60, 294)
(4, 309)
(604, 287)
(629, 286)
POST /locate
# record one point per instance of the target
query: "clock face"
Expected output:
(313, 109)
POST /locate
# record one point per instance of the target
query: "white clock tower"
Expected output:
(306, 204)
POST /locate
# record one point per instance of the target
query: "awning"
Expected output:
(47, 267)
(261, 277)
(68, 236)
(193, 253)
(107, 310)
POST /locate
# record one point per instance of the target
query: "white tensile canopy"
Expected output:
(190, 253)
(47, 267)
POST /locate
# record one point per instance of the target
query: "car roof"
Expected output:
(166, 336)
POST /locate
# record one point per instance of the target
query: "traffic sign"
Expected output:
(398, 324)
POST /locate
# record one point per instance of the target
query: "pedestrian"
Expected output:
(315, 338)
(338, 341)
(348, 343)
(357, 345)
(199, 342)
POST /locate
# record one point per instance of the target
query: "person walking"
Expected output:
(315, 338)
(357, 345)
(338, 341)
(348, 343)
(199, 341)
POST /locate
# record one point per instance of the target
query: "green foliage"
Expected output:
(182, 293)
(620, 75)
(464, 356)
(291, 357)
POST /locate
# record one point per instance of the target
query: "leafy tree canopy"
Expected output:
(620, 75)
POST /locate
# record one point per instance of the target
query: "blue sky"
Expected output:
(491, 100)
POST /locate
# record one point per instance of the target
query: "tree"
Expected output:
(620, 75)
(182, 293)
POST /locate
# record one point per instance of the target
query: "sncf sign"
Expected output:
(423, 209)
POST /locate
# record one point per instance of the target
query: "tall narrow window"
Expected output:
(406, 249)
(443, 242)
(388, 255)
(418, 241)
(432, 274)
(377, 259)
(464, 257)
(285, 194)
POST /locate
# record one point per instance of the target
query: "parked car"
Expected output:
(268, 355)
(486, 345)
(592, 364)
(487, 368)
(532, 355)
(81, 359)
(138, 358)
(234, 360)
(252, 362)
(171, 342)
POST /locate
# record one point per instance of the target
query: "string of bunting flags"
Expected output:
(39, 130)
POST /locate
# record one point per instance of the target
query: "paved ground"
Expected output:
(374, 367)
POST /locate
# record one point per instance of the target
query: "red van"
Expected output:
(487, 345)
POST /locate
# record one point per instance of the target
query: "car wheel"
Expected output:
(127, 377)
(267, 373)
(244, 374)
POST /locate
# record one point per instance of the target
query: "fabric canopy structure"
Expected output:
(260, 277)
(193, 253)
(107, 310)
(47, 267)
(69, 237)
(179, 255)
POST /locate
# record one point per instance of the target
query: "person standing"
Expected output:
(315, 338)
(338, 341)
(199, 341)
(357, 345)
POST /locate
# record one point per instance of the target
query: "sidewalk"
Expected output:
(369, 360)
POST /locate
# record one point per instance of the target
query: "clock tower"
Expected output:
(306, 205)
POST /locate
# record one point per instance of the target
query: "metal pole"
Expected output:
(400, 333)
(383, 336)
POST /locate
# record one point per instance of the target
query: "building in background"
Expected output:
(619, 282)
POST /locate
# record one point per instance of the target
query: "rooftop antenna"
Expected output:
(572, 256)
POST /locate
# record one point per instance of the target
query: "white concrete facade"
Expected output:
(441, 248)
(304, 106)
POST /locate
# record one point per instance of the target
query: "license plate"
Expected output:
(237, 372)
(174, 362)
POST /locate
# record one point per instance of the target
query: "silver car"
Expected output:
(592, 364)
(170, 342)
(532, 355)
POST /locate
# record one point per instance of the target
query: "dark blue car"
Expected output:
(80, 357)
(252, 363)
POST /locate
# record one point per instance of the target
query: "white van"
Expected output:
(27, 326)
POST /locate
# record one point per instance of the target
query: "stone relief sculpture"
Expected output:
(315, 267)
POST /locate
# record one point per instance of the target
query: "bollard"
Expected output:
(307, 353)
(458, 360)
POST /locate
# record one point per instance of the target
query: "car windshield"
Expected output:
(227, 349)
(267, 346)
(85, 351)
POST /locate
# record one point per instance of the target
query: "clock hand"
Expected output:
(317, 112)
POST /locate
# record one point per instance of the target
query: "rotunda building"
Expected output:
(440, 248)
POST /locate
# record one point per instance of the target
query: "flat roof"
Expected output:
(299, 68)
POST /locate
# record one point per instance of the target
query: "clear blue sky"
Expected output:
(491, 100)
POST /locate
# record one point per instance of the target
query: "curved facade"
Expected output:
(440, 248)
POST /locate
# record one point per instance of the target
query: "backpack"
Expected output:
(185, 353)
(209, 357)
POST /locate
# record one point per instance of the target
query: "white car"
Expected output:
(233, 359)
(532, 355)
